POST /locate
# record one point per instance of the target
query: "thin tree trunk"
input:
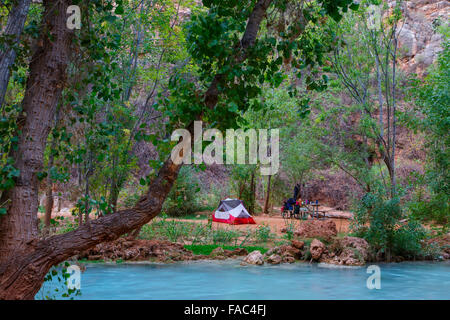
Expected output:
(48, 199)
(117, 181)
(80, 218)
(380, 94)
(49, 193)
(86, 201)
(266, 202)
(14, 28)
(252, 193)
(114, 198)
(89, 169)
(394, 119)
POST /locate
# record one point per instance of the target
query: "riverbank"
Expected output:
(313, 241)
(277, 240)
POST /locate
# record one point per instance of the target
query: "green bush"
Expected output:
(377, 220)
(436, 209)
(290, 225)
(147, 232)
(432, 97)
(263, 233)
(208, 201)
(223, 236)
(407, 240)
(242, 177)
(130, 200)
(182, 199)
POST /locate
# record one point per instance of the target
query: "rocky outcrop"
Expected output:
(288, 259)
(350, 251)
(442, 243)
(128, 249)
(255, 257)
(218, 253)
(274, 259)
(236, 252)
(288, 253)
(316, 248)
(297, 244)
(137, 250)
(325, 229)
(419, 39)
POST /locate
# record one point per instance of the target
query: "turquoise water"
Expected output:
(229, 280)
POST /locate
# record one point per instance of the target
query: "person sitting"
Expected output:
(285, 206)
(290, 203)
(296, 208)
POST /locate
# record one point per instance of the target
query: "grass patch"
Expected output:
(193, 217)
(341, 235)
(206, 249)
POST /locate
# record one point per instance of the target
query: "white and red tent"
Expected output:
(232, 211)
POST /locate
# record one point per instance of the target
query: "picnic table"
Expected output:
(311, 209)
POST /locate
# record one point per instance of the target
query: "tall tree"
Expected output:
(44, 88)
(24, 259)
(374, 48)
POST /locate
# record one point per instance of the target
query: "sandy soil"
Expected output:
(274, 220)
(276, 223)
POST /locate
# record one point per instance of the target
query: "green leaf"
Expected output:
(354, 6)
(119, 10)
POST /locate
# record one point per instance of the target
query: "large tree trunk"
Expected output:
(19, 227)
(29, 260)
(23, 275)
(14, 28)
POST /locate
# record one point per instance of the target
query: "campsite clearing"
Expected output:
(276, 223)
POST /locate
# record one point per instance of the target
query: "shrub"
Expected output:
(224, 236)
(407, 240)
(436, 209)
(377, 220)
(209, 201)
(182, 199)
(263, 233)
(130, 200)
(147, 232)
(290, 226)
(243, 184)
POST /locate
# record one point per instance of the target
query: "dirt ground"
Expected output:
(276, 222)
